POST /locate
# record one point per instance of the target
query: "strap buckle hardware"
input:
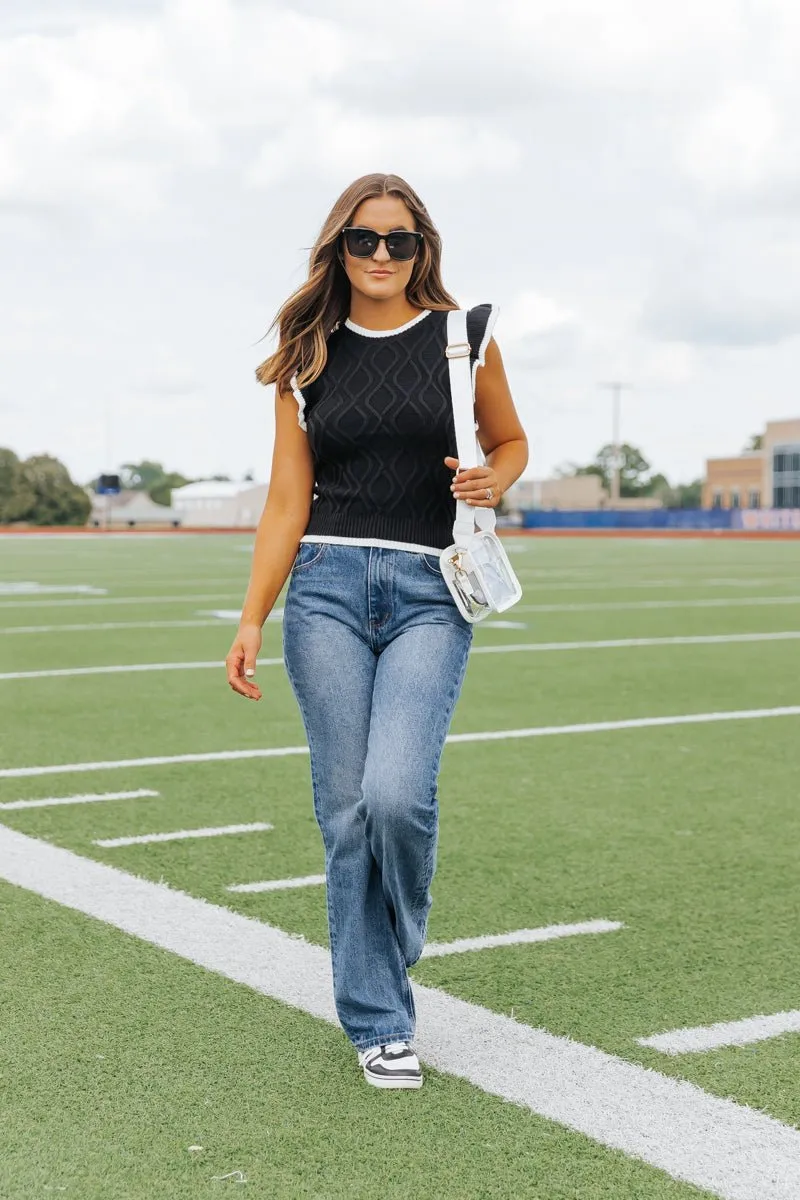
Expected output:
(458, 350)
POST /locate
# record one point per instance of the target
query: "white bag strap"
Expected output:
(468, 448)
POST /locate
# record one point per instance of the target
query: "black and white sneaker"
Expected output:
(392, 1066)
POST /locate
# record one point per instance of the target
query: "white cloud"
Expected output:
(622, 178)
(108, 113)
(330, 140)
(729, 286)
(539, 331)
(743, 144)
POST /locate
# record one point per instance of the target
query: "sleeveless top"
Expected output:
(379, 421)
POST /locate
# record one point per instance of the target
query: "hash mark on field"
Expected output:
(86, 798)
(735, 1152)
(277, 885)
(212, 831)
(702, 1038)
(518, 937)
(754, 714)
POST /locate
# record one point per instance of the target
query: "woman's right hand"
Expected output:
(241, 661)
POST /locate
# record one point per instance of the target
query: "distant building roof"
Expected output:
(214, 489)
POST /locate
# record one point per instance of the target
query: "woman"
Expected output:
(361, 502)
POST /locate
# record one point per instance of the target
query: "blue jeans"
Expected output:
(376, 652)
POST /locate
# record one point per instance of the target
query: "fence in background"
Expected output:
(754, 520)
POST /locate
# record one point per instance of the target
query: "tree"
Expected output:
(161, 492)
(659, 487)
(141, 477)
(16, 496)
(683, 495)
(755, 442)
(689, 495)
(40, 491)
(148, 476)
(633, 470)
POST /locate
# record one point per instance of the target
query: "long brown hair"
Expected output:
(307, 318)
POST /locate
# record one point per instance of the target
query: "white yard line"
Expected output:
(701, 1038)
(601, 606)
(180, 835)
(127, 669)
(604, 584)
(636, 605)
(715, 639)
(185, 599)
(85, 798)
(704, 639)
(277, 885)
(101, 626)
(753, 714)
(518, 937)
(732, 1151)
(28, 588)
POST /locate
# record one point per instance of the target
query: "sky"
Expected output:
(621, 178)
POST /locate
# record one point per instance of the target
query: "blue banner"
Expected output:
(632, 518)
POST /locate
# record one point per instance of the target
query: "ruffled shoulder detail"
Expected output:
(301, 402)
(480, 326)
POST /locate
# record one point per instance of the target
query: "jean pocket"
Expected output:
(431, 563)
(308, 553)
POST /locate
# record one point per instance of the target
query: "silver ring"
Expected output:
(489, 493)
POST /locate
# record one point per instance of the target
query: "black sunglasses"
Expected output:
(401, 244)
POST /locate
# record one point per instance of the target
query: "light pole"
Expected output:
(616, 388)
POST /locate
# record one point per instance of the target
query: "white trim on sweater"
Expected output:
(382, 333)
(301, 402)
(383, 543)
(494, 312)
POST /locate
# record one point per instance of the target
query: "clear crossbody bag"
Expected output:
(476, 567)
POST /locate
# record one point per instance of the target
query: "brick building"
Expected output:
(765, 478)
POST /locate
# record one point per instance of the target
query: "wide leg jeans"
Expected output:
(376, 652)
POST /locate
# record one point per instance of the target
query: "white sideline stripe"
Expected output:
(519, 937)
(753, 714)
(142, 839)
(277, 885)
(540, 647)
(724, 1033)
(86, 798)
(632, 605)
(732, 1151)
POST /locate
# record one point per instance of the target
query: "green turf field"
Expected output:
(118, 1056)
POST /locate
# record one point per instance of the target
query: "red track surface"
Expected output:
(755, 534)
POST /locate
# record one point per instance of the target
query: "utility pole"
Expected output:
(616, 388)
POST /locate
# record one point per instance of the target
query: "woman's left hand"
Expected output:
(471, 485)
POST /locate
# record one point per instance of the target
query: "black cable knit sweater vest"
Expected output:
(380, 422)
